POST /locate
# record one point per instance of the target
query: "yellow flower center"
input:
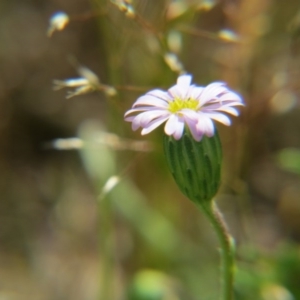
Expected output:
(179, 104)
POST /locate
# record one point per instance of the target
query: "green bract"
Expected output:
(195, 166)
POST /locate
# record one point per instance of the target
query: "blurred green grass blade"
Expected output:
(98, 159)
(289, 159)
(100, 163)
(152, 285)
(153, 226)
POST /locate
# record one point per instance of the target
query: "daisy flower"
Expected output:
(185, 104)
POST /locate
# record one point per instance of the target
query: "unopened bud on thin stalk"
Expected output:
(58, 22)
(87, 83)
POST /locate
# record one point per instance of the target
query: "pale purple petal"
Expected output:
(220, 118)
(148, 116)
(195, 92)
(129, 119)
(212, 106)
(176, 92)
(143, 119)
(205, 125)
(180, 90)
(190, 114)
(231, 96)
(150, 100)
(223, 103)
(219, 107)
(179, 130)
(230, 110)
(184, 81)
(142, 109)
(160, 94)
(154, 124)
(171, 124)
(196, 133)
(212, 91)
(232, 103)
(136, 122)
(174, 126)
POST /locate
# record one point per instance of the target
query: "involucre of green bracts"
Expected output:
(195, 166)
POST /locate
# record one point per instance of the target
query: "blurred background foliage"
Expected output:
(98, 216)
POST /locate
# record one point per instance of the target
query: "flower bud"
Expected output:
(195, 166)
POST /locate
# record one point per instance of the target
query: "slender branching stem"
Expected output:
(227, 248)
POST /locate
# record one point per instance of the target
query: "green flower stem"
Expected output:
(227, 248)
